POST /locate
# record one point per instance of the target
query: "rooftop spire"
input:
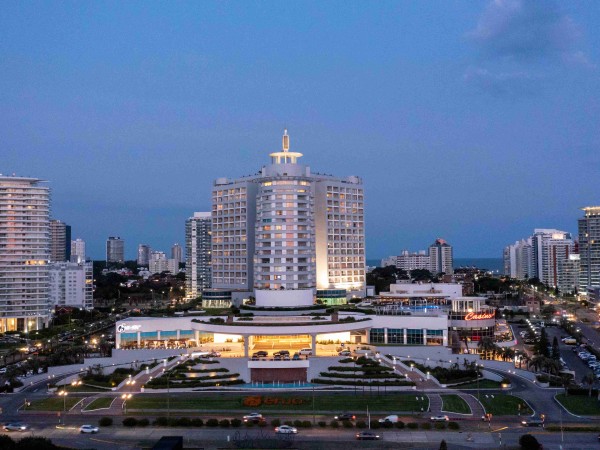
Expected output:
(286, 141)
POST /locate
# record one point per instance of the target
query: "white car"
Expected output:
(286, 429)
(88, 429)
(15, 426)
(440, 418)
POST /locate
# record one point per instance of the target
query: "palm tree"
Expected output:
(487, 347)
(508, 354)
(537, 362)
(589, 380)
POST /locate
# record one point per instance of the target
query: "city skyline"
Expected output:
(462, 119)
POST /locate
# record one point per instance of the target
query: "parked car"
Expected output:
(367, 436)
(286, 429)
(88, 429)
(214, 354)
(15, 426)
(305, 351)
(345, 353)
(260, 354)
(296, 357)
(254, 417)
(442, 418)
(345, 416)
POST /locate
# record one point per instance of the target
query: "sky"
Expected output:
(473, 121)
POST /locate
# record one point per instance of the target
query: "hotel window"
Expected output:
(435, 337)
(395, 335)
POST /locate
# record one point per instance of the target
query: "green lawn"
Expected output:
(483, 384)
(102, 402)
(54, 403)
(453, 403)
(390, 402)
(81, 388)
(504, 405)
(581, 405)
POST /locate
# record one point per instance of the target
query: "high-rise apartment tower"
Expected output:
(589, 248)
(60, 241)
(24, 253)
(198, 253)
(115, 250)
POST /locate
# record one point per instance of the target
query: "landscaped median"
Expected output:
(580, 405)
(505, 405)
(454, 404)
(100, 403)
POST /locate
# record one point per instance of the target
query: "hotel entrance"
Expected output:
(280, 342)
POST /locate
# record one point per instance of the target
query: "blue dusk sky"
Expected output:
(474, 121)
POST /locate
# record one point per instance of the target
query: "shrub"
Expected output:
(143, 422)
(275, 422)
(129, 422)
(183, 422)
(387, 424)
(212, 423)
(453, 425)
(426, 426)
(348, 424)
(528, 442)
(334, 424)
(249, 424)
(236, 423)
(173, 422)
(439, 426)
(297, 423)
(375, 424)
(306, 423)
(160, 422)
(224, 423)
(322, 424)
(412, 425)
(105, 422)
(288, 423)
(399, 424)
(197, 422)
(361, 424)
(262, 424)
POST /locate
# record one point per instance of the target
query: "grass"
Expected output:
(54, 404)
(81, 388)
(483, 384)
(504, 405)
(390, 402)
(581, 405)
(101, 402)
(453, 403)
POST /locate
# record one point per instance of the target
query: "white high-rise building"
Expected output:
(71, 284)
(550, 248)
(115, 250)
(173, 266)
(288, 232)
(78, 251)
(411, 261)
(198, 253)
(589, 248)
(518, 260)
(440, 257)
(158, 262)
(143, 254)
(24, 253)
(568, 276)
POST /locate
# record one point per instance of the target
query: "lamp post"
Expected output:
(64, 394)
(168, 398)
(125, 397)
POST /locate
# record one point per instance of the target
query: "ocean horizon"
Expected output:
(492, 264)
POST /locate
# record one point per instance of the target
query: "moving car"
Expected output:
(532, 422)
(254, 417)
(393, 418)
(88, 429)
(15, 426)
(286, 429)
(367, 436)
(440, 418)
(345, 416)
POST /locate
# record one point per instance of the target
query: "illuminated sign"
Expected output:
(122, 328)
(479, 316)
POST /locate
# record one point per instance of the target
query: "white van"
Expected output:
(391, 419)
(305, 351)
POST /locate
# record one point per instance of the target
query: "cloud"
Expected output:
(526, 30)
(509, 84)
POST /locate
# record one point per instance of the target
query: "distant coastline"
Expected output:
(493, 264)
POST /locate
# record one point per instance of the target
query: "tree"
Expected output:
(487, 347)
(528, 442)
(589, 379)
(555, 349)
(443, 445)
(541, 346)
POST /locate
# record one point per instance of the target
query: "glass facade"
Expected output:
(435, 337)
(395, 335)
(414, 337)
(377, 336)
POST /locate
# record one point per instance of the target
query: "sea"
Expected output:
(494, 265)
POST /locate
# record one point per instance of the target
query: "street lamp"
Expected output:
(168, 398)
(64, 394)
(125, 397)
